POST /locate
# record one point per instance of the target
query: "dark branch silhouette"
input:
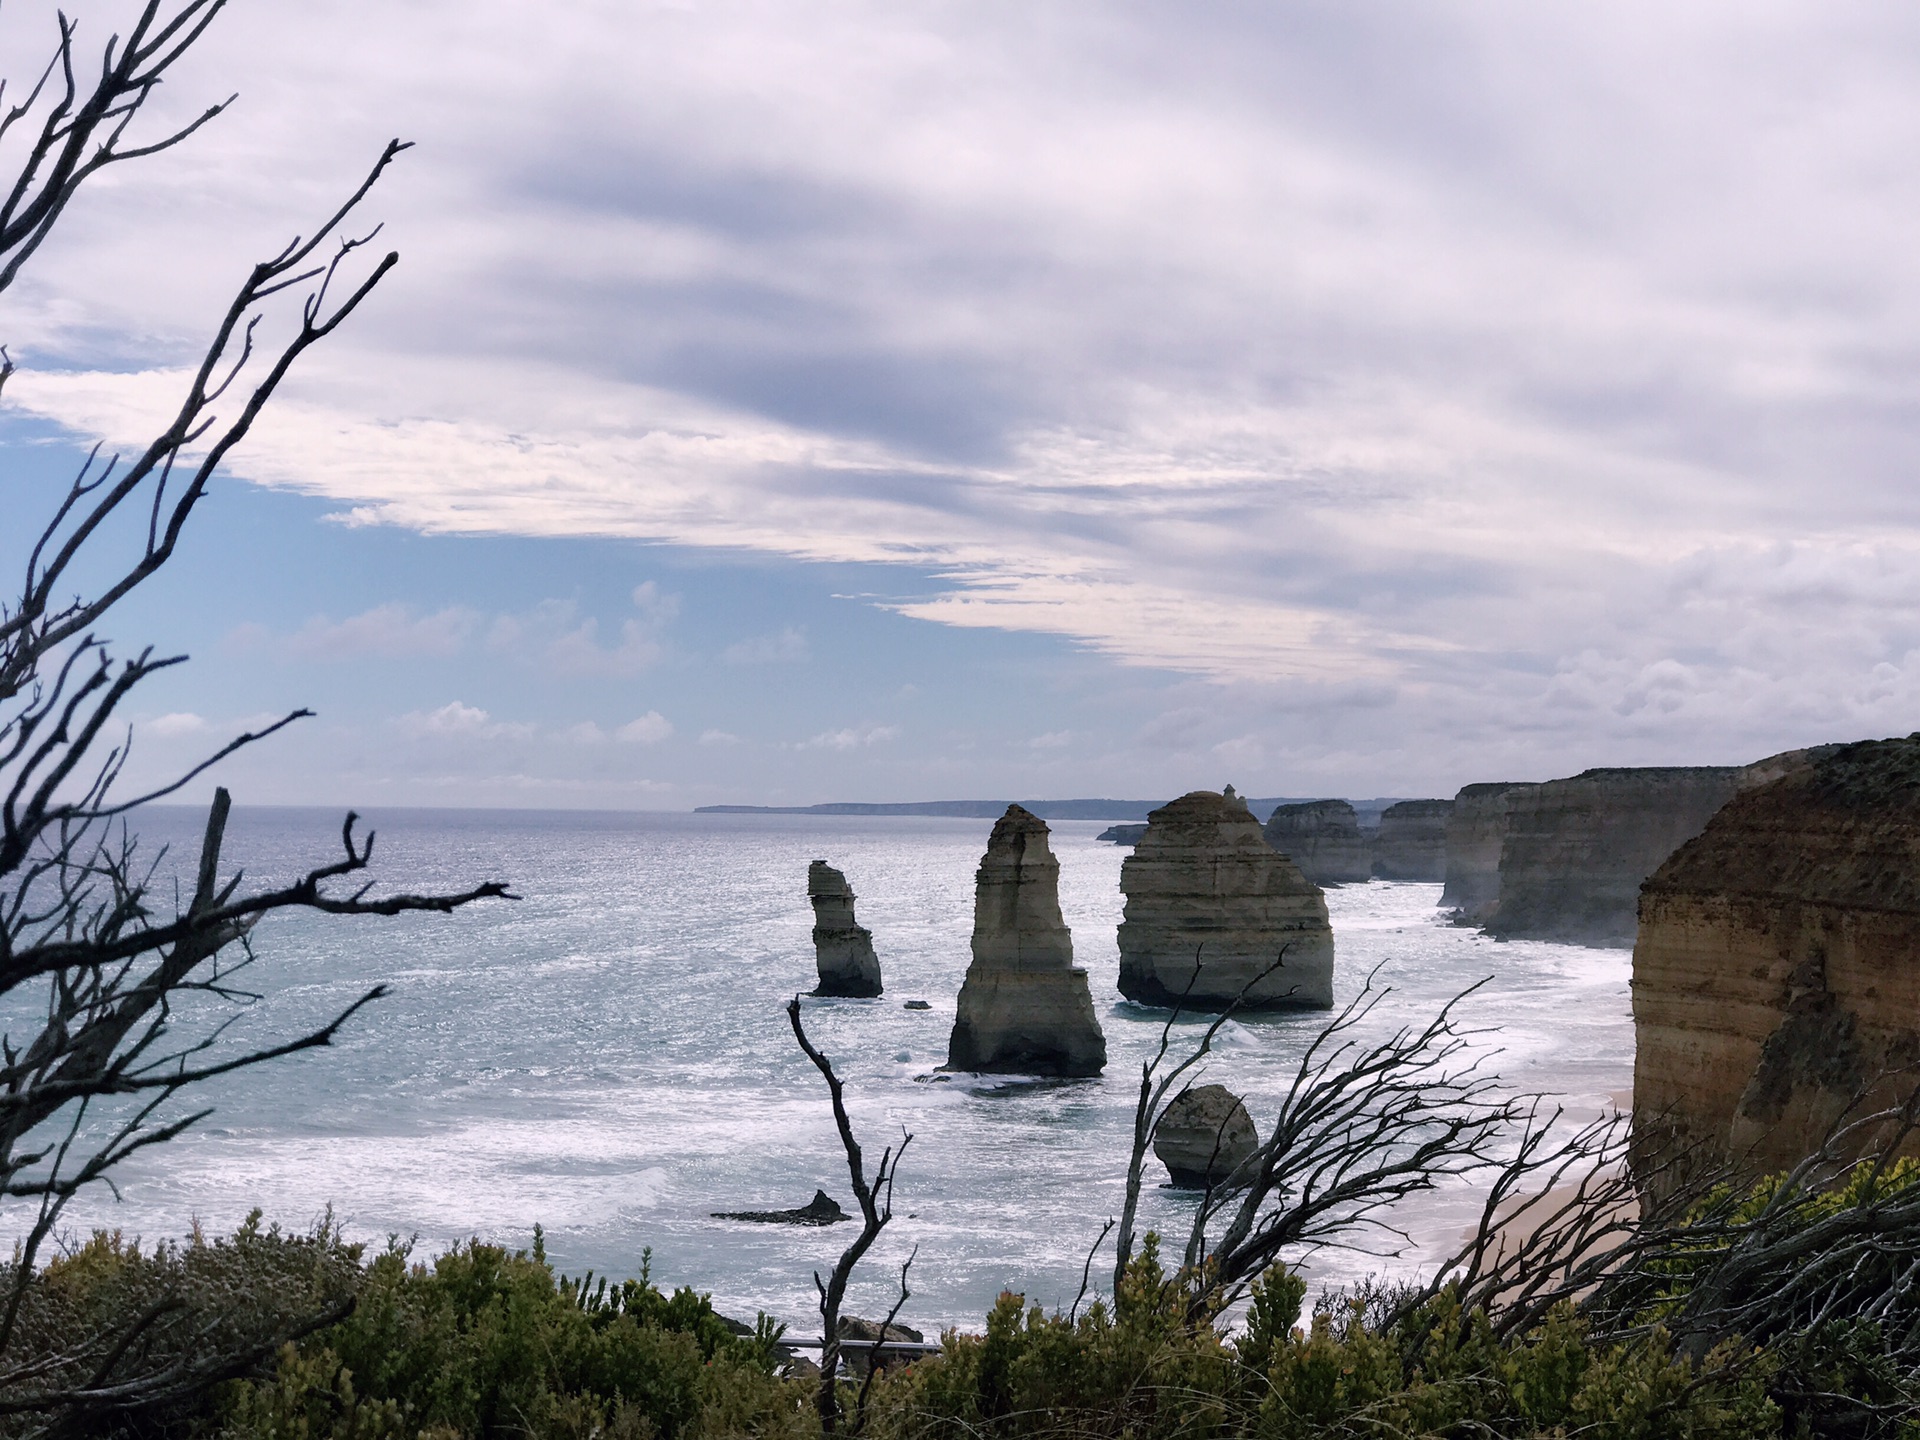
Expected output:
(87, 949)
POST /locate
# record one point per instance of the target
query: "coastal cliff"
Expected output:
(1476, 829)
(1025, 1008)
(1203, 883)
(842, 948)
(1412, 843)
(1576, 851)
(1775, 977)
(1322, 838)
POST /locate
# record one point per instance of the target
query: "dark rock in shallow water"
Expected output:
(917, 1005)
(842, 950)
(853, 1330)
(1122, 834)
(821, 1210)
(1204, 1136)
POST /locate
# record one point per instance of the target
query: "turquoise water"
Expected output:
(609, 1056)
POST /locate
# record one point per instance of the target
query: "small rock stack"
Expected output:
(1323, 839)
(1025, 1008)
(842, 949)
(1203, 1137)
(1204, 888)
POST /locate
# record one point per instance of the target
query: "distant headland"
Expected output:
(994, 809)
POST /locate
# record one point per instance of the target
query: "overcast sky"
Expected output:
(800, 401)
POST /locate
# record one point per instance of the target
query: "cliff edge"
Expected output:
(1777, 973)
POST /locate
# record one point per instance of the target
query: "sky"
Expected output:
(789, 402)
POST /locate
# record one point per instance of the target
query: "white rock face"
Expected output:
(1203, 886)
(1203, 1137)
(1322, 838)
(1025, 1008)
(842, 949)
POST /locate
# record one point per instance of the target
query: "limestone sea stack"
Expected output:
(1025, 1008)
(1204, 1136)
(1323, 839)
(842, 950)
(1412, 843)
(1775, 973)
(1577, 850)
(1476, 828)
(1204, 882)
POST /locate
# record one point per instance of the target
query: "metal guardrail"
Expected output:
(898, 1347)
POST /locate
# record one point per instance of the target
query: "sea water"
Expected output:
(609, 1056)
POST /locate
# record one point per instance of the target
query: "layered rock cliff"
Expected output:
(1323, 839)
(1777, 973)
(842, 949)
(1025, 1008)
(1576, 850)
(1203, 886)
(1412, 843)
(1476, 829)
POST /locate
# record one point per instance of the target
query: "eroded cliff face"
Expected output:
(1412, 843)
(1476, 829)
(1025, 1008)
(842, 948)
(1777, 973)
(1322, 838)
(1577, 850)
(1203, 887)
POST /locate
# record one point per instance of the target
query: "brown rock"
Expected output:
(1322, 838)
(1577, 850)
(1412, 843)
(1204, 887)
(1774, 978)
(1204, 1136)
(842, 950)
(1476, 829)
(1025, 1007)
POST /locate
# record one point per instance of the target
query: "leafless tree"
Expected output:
(139, 994)
(1362, 1127)
(875, 1198)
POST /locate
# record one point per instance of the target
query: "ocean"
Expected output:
(609, 1056)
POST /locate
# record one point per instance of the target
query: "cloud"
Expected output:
(718, 737)
(850, 739)
(392, 630)
(180, 722)
(458, 720)
(650, 729)
(1052, 740)
(1514, 372)
(584, 733)
(558, 639)
(787, 647)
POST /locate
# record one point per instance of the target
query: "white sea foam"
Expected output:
(609, 1057)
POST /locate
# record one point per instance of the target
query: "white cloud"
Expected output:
(1052, 740)
(850, 739)
(455, 719)
(1516, 371)
(180, 722)
(556, 637)
(650, 729)
(584, 733)
(391, 630)
(789, 646)
(718, 737)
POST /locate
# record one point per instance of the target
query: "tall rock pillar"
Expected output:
(1025, 1007)
(842, 949)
